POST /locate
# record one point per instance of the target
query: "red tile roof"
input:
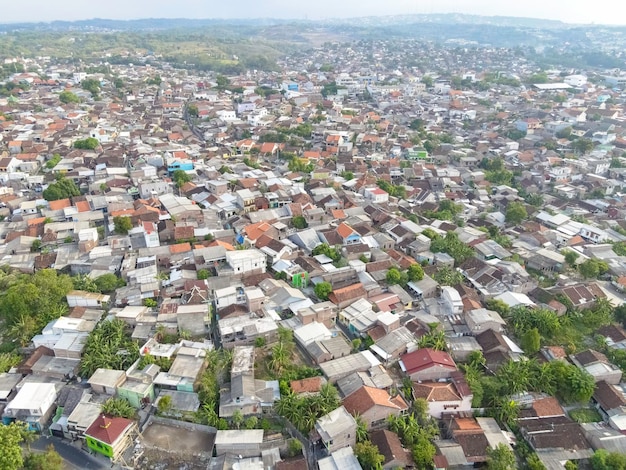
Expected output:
(367, 397)
(425, 358)
(108, 429)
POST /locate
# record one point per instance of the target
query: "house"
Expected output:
(390, 447)
(81, 417)
(337, 429)
(427, 364)
(598, 366)
(480, 319)
(78, 298)
(106, 381)
(34, 404)
(110, 436)
(442, 397)
(344, 366)
(610, 400)
(244, 442)
(452, 300)
(497, 348)
(341, 459)
(374, 405)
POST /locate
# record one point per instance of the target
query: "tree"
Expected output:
(516, 213)
(322, 290)
(415, 273)
(180, 177)
(604, 460)
(67, 97)
(11, 437)
(91, 85)
(501, 458)
(222, 82)
(90, 143)
(299, 222)
(395, 276)
(203, 274)
(582, 145)
(453, 246)
(592, 268)
(531, 341)
(108, 283)
(192, 109)
(165, 404)
(448, 276)
(570, 256)
(368, 455)
(295, 447)
(49, 460)
(35, 247)
(237, 418)
(122, 224)
(8, 360)
(61, 189)
(116, 406)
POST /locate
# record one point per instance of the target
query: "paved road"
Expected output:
(73, 457)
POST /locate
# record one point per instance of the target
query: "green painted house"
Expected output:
(110, 436)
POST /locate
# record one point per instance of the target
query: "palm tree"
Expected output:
(280, 358)
(361, 429)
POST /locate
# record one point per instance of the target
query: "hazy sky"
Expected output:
(573, 11)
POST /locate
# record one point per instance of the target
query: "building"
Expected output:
(337, 429)
(442, 397)
(244, 442)
(33, 404)
(427, 364)
(110, 436)
(374, 405)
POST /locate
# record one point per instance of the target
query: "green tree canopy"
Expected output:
(592, 268)
(61, 189)
(90, 143)
(415, 272)
(49, 460)
(604, 460)
(120, 407)
(122, 224)
(453, 246)
(369, 456)
(11, 436)
(516, 213)
(323, 290)
(67, 97)
(299, 222)
(107, 283)
(501, 458)
(180, 177)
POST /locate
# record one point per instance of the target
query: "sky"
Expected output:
(571, 11)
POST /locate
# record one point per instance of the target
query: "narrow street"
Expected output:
(73, 457)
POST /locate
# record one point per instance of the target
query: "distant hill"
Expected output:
(152, 24)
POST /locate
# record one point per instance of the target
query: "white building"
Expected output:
(452, 299)
(247, 261)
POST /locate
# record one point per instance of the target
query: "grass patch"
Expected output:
(585, 415)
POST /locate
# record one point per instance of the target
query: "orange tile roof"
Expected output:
(254, 231)
(338, 214)
(123, 213)
(366, 398)
(60, 204)
(180, 248)
(38, 220)
(344, 230)
(308, 385)
(83, 206)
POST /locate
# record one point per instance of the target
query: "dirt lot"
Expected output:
(176, 439)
